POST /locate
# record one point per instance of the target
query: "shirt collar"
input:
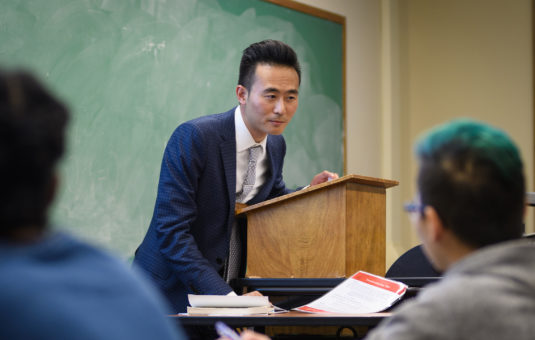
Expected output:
(244, 140)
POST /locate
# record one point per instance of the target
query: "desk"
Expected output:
(292, 318)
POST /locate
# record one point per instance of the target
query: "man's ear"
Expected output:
(434, 224)
(241, 93)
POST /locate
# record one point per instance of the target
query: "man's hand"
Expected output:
(254, 293)
(323, 176)
(250, 335)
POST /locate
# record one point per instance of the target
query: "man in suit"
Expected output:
(206, 169)
(469, 216)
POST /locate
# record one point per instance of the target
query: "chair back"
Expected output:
(413, 263)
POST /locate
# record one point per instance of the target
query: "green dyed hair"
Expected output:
(472, 174)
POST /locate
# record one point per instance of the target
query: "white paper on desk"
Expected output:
(227, 301)
(361, 293)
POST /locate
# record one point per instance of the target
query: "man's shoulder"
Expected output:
(212, 120)
(206, 127)
(276, 145)
(276, 138)
(62, 267)
(58, 259)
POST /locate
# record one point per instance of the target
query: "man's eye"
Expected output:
(270, 96)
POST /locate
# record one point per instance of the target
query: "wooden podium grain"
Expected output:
(329, 230)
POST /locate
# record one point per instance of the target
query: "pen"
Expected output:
(225, 331)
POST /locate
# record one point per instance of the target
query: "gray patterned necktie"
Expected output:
(233, 264)
(250, 176)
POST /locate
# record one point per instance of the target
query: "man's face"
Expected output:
(270, 103)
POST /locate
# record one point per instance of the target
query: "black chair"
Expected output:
(530, 237)
(413, 263)
(413, 269)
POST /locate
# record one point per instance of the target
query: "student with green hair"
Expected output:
(469, 216)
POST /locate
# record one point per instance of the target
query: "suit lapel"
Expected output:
(228, 154)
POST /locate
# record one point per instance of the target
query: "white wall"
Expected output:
(462, 58)
(363, 81)
(412, 64)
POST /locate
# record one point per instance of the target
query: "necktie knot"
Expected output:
(254, 152)
(250, 176)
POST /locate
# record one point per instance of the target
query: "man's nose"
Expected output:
(280, 108)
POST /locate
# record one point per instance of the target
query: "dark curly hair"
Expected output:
(32, 140)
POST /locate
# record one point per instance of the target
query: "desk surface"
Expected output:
(292, 318)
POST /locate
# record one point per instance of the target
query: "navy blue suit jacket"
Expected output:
(187, 242)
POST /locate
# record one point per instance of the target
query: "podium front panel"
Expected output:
(330, 230)
(366, 229)
(299, 238)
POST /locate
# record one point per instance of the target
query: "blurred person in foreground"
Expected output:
(53, 286)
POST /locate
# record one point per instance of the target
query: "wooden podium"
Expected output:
(328, 230)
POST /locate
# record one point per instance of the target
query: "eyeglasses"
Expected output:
(413, 207)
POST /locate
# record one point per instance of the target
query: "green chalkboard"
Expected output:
(131, 71)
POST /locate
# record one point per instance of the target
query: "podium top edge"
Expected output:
(371, 181)
(378, 182)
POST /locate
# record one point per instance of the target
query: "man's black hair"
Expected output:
(271, 52)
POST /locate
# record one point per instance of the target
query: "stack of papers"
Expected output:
(228, 305)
